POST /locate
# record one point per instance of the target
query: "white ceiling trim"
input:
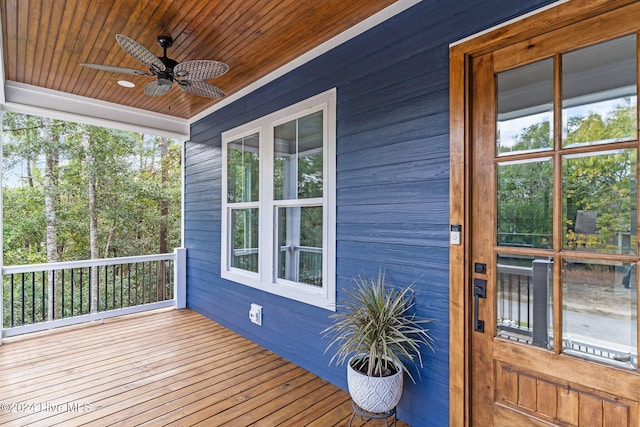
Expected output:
(356, 30)
(28, 99)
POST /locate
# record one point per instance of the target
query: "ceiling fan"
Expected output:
(190, 76)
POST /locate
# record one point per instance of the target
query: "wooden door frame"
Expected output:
(546, 19)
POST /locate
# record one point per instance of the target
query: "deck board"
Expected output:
(167, 367)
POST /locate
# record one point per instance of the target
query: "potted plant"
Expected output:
(377, 330)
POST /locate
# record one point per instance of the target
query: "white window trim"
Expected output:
(266, 278)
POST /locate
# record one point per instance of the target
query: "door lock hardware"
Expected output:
(479, 291)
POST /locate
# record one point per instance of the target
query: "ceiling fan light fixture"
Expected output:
(126, 83)
(156, 89)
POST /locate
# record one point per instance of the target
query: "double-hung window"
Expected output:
(278, 204)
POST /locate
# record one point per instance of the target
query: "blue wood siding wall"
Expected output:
(392, 186)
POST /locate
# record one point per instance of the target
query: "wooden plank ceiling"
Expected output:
(44, 41)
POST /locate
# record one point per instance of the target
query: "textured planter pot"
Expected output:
(374, 394)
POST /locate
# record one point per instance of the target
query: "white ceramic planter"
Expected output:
(374, 394)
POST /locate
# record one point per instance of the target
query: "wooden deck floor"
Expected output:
(170, 367)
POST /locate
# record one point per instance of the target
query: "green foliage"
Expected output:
(134, 180)
(378, 322)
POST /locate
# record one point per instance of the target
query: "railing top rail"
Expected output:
(515, 269)
(30, 268)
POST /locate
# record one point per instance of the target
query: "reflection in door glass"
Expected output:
(599, 201)
(525, 299)
(525, 109)
(600, 311)
(599, 93)
(525, 203)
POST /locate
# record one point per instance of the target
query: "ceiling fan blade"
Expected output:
(117, 69)
(201, 89)
(199, 70)
(140, 52)
(158, 87)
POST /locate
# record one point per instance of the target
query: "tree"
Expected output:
(88, 192)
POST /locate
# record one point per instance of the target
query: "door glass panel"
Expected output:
(525, 203)
(525, 299)
(244, 238)
(243, 166)
(599, 201)
(599, 93)
(300, 244)
(298, 158)
(600, 311)
(525, 109)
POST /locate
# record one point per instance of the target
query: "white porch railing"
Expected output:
(44, 296)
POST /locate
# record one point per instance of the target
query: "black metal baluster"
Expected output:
(528, 302)
(53, 294)
(137, 284)
(106, 287)
(120, 271)
(13, 303)
(519, 302)
(98, 288)
(33, 298)
(129, 283)
(169, 279)
(153, 281)
(113, 287)
(510, 293)
(143, 283)
(90, 290)
(42, 306)
(22, 300)
(72, 292)
(62, 307)
(81, 289)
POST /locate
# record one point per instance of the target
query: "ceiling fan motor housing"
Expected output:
(168, 71)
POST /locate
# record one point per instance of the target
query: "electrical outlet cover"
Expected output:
(255, 314)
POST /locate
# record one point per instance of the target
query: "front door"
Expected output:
(553, 217)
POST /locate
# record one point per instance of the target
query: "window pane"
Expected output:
(244, 237)
(525, 299)
(525, 108)
(525, 203)
(599, 202)
(600, 311)
(599, 93)
(298, 158)
(300, 244)
(243, 168)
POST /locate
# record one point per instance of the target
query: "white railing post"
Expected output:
(180, 277)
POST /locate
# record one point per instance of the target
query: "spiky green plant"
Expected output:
(377, 323)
